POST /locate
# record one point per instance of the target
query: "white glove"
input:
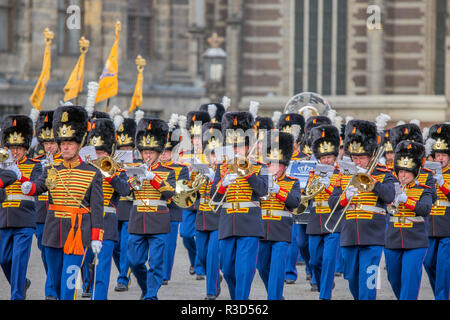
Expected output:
(351, 192)
(439, 179)
(16, 170)
(149, 175)
(275, 188)
(325, 181)
(402, 197)
(210, 174)
(361, 170)
(229, 179)
(26, 187)
(96, 246)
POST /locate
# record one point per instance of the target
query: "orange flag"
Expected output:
(37, 97)
(108, 85)
(136, 101)
(75, 83)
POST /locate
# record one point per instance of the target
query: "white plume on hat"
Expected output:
(253, 108)
(425, 132)
(125, 114)
(307, 113)
(182, 120)
(331, 114)
(348, 119)
(91, 96)
(338, 123)
(276, 117)
(114, 113)
(212, 109)
(138, 115)
(401, 122)
(34, 115)
(428, 146)
(173, 121)
(226, 102)
(416, 122)
(381, 121)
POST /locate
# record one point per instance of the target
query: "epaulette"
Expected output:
(121, 170)
(134, 164)
(292, 178)
(34, 160)
(424, 185)
(382, 169)
(183, 164)
(427, 170)
(164, 166)
(39, 156)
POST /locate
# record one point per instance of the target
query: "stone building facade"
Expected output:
(364, 56)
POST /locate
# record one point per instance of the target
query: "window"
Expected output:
(7, 9)
(5, 110)
(439, 73)
(68, 38)
(179, 41)
(320, 46)
(139, 28)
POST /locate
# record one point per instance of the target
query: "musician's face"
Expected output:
(361, 161)
(405, 177)
(51, 147)
(149, 156)
(443, 158)
(328, 159)
(18, 152)
(197, 143)
(276, 169)
(241, 150)
(101, 153)
(126, 148)
(166, 156)
(69, 150)
(389, 157)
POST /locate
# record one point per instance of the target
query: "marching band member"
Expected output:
(207, 219)
(363, 229)
(75, 212)
(45, 136)
(406, 237)
(294, 124)
(195, 120)
(114, 183)
(276, 207)
(126, 134)
(323, 245)
(437, 260)
(18, 212)
(388, 150)
(176, 213)
(149, 221)
(240, 222)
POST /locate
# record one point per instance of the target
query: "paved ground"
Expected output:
(185, 287)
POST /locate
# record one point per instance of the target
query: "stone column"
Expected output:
(375, 49)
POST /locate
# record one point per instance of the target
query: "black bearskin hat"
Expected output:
(211, 136)
(408, 131)
(294, 124)
(409, 156)
(215, 111)
(386, 142)
(102, 135)
(441, 134)
(196, 116)
(263, 123)
(360, 138)
(312, 122)
(325, 141)
(126, 133)
(280, 147)
(17, 130)
(70, 123)
(151, 134)
(44, 127)
(237, 128)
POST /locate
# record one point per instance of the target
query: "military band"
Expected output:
(241, 208)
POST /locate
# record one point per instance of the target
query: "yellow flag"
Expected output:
(37, 97)
(75, 83)
(136, 101)
(108, 85)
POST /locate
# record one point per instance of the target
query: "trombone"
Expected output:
(363, 183)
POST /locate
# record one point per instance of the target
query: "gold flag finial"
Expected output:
(84, 44)
(48, 35)
(141, 63)
(215, 41)
(118, 27)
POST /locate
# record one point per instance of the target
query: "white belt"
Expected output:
(109, 209)
(149, 202)
(441, 203)
(398, 219)
(364, 207)
(239, 205)
(276, 213)
(320, 204)
(12, 197)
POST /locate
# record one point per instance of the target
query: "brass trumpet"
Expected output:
(313, 188)
(186, 193)
(4, 155)
(107, 166)
(361, 181)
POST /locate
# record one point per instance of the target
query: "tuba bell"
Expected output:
(107, 166)
(4, 155)
(313, 188)
(186, 192)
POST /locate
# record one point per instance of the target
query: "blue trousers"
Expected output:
(63, 270)
(102, 272)
(49, 288)
(361, 265)
(147, 248)
(120, 255)
(170, 248)
(302, 243)
(208, 254)
(271, 267)
(340, 261)
(15, 248)
(437, 266)
(324, 252)
(238, 256)
(292, 255)
(404, 271)
(187, 232)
